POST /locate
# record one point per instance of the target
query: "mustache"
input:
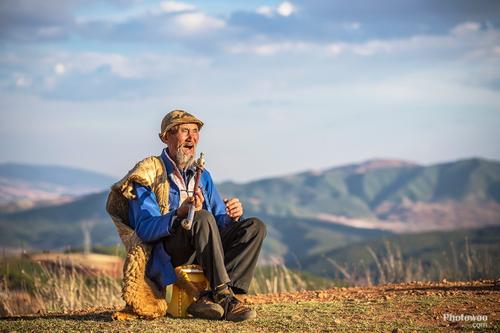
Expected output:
(186, 144)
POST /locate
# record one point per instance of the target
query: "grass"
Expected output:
(385, 261)
(29, 287)
(279, 278)
(69, 301)
(366, 312)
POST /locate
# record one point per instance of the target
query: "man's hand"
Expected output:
(183, 210)
(233, 208)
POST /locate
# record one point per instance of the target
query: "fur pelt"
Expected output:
(141, 295)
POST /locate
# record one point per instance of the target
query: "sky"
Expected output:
(282, 86)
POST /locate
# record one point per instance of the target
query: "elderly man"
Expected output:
(220, 240)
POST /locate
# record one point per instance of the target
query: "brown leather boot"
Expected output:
(234, 309)
(205, 308)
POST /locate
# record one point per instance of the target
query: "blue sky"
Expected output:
(283, 86)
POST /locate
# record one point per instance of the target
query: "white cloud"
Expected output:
(466, 28)
(119, 64)
(145, 66)
(266, 49)
(481, 45)
(285, 8)
(478, 45)
(369, 48)
(376, 46)
(198, 21)
(22, 80)
(59, 69)
(87, 62)
(372, 47)
(265, 10)
(176, 7)
(139, 11)
(123, 15)
(336, 48)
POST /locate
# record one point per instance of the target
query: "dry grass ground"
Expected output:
(91, 263)
(413, 307)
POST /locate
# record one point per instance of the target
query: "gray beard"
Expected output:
(183, 161)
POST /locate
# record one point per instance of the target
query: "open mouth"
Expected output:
(188, 148)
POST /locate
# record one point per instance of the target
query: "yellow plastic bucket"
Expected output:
(190, 282)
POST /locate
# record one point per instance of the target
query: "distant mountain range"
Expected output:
(25, 186)
(384, 194)
(307, 214)
(59, 226)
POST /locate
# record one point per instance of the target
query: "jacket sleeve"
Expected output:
(217, 206)
(146, 218)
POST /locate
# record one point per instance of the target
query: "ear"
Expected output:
(163, 137)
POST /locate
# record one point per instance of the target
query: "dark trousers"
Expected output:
(227, 257)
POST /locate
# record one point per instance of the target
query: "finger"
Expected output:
(235, 210)
(232, 210)
(233, 206)
(233, 202)
(236, 215)
(226, 200)
(198, 204)
(199, 200)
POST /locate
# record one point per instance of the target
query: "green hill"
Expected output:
(60, 226)
(354, 191)
(309, 213)
(292, 238)
(383, 191)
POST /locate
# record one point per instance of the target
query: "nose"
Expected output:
(192, 135)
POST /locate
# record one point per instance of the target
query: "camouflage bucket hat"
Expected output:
(178, 117)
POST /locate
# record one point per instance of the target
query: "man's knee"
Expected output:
(256, 227)
(204, 220)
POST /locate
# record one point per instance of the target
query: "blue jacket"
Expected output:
(145, 218)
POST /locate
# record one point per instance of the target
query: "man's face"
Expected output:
(182, 144)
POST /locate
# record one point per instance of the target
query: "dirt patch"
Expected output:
(412, 307)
